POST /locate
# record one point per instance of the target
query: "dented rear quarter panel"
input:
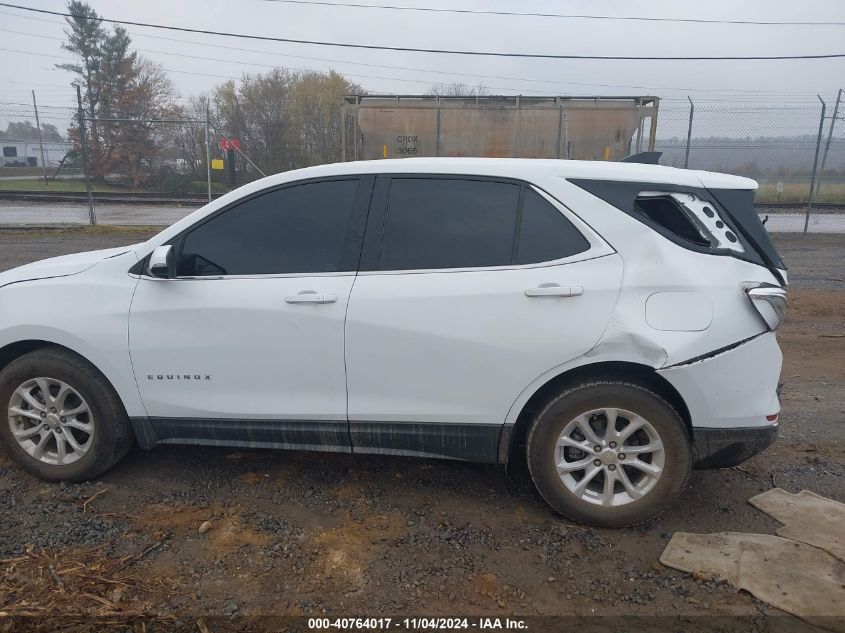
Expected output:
(653, 264)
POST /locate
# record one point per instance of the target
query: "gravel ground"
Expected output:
(310, 533)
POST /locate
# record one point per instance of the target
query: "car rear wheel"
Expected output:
(64, 420)
(609, 453)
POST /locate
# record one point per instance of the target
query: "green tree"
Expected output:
(284, 119)
(25, 130)
(121, 92)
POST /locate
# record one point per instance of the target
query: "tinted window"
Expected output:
(449, 223)
(545, 234)
(299, 229)
(668, 213)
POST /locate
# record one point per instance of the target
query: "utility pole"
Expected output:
(83, 140)
(41, 137)
(829, 135)
(207, 153)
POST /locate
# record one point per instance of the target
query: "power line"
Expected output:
(570, 16)
(778, 94)
(227, 61)
(411, 68)
(407, 49)
(215, 76)
(781, 99)
(469, 75)
(785, 98)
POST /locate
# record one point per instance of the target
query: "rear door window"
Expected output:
(449, 223)
(438, 223)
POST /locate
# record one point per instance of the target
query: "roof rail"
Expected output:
(646, 158)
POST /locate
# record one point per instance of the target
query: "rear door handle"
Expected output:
(309, 296)
(553, 290)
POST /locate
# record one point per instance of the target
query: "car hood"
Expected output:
(59, 266)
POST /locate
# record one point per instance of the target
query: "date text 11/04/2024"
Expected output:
(417, 624)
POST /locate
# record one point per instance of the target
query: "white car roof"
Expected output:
(523, 167)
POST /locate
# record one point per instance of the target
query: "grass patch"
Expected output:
(143, 232)
(61, 186)
(799, 192)
(36, 171)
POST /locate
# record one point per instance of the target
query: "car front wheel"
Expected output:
(609, 453)
(64, 421)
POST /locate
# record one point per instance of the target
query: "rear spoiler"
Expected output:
(645, 158)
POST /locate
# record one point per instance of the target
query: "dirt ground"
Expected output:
(313, 533)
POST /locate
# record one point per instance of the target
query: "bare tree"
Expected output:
(458, 90)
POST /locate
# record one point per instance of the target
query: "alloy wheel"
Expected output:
(51, 421)
(609, 457)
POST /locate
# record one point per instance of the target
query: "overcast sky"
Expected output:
(767, 81)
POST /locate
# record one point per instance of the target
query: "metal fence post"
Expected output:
(437, 129)
(639, 145)
(83, 140)
(815, 166)
(559, 126)
(236, 149)
(343, 133)
(652, 130)
(689, 131)
(207, 153)
(40, 138)
(829, 136)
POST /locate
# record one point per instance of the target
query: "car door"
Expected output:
(245, 345)
(469, 290)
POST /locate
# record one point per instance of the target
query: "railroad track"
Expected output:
(118, 197)
(152, 198)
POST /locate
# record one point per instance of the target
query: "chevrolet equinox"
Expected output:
(612, 324)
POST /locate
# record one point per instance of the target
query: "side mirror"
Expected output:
(161, 262)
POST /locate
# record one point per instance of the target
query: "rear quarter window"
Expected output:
(669, 213)
(721, 234)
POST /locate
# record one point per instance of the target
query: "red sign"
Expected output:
(230, 143)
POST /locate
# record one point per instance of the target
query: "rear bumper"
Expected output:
(721, 448)
(732, 389)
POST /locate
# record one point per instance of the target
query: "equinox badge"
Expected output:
(178, 376)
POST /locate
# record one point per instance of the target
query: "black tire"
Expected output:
(591, 395)
(112, 436)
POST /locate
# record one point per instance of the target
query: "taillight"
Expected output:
(770, 301)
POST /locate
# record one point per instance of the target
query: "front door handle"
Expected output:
(309, 296)
(554, 290)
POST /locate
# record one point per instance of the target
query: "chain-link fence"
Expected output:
(40, 164)
(781, 147)
(127, 172)
(153, 172)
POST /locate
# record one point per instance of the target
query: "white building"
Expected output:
(27, 152)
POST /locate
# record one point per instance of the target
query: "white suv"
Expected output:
(611, 323)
